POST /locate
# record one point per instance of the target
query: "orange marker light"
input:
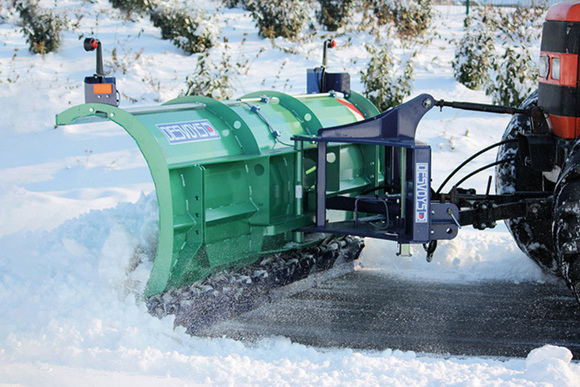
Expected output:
(103, 88)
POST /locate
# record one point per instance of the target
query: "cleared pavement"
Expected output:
(367, 310)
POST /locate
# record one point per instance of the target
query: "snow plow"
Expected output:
(269, 189)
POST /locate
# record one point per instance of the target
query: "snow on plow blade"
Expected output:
(231, 185)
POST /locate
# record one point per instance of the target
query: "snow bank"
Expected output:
(472, 256)
(73, 315)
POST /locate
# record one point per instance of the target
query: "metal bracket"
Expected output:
(370, 199)
(404, 250)
(409, 166)
(444, 221)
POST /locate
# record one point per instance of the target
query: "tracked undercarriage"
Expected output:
(231, 292)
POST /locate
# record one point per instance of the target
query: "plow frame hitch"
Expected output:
(401, 209)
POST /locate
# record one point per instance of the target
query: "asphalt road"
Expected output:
(366, 310)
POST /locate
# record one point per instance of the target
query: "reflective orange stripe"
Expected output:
(102, 88)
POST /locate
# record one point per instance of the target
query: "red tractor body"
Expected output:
(558, 91)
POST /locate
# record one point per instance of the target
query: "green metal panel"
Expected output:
(238, 127)
(158, 166)
(227, 192)
(302, 114)
(186, 153)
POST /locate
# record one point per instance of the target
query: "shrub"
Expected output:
(473, 56)
(210, 79)
(234, 3)
(381, 10)
(411, 18)
(187, 29)
(516, 76)
(524, 25)
(276, 18)
(131, 7)
(388, 80)
(508, 79)
(334, 14)
(41, 27)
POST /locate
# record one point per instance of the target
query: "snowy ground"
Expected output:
(76, 208)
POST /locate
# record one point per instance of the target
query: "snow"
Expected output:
(78, 220)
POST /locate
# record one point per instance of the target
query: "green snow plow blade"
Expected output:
(231, 185)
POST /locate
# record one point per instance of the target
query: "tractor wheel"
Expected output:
(533, 236)
(567, 220)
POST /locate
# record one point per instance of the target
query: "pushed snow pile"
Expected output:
(72, 316)
(551, 364)
(97, 262)
(473, 256)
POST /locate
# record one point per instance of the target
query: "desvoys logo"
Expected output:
(190, 131)
(421, 193)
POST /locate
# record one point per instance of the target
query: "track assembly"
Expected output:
(229, 293)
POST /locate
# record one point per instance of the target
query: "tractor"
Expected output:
(546, 155)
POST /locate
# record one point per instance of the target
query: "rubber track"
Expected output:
(229, 293)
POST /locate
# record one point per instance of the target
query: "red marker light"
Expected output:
(91, 44)
(333, 43)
